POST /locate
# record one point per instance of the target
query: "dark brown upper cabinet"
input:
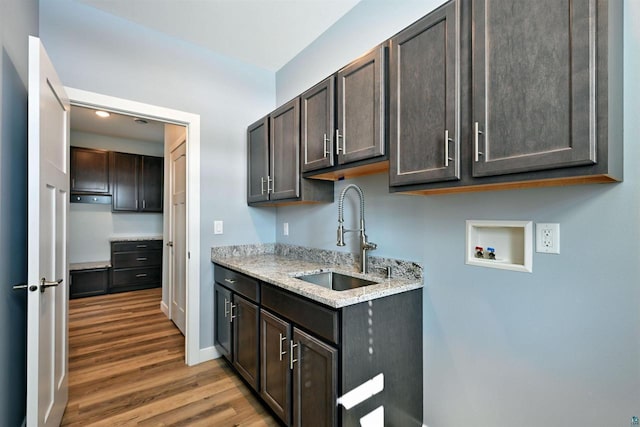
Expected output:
(151, 183)
(534, 85)
(137, 182)
(424, 100)
(361, 126)
(284, 164)
(89, 171)
(273, 162)
(317, 125)
(258, 183)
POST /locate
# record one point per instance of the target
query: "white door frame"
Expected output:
(79, 97)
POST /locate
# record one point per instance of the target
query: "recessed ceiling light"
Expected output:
(140, 121)
(102, 114)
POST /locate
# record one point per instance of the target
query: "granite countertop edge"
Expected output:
(133, 238)
(281, 271)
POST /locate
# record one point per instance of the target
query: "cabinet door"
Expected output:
(424, 107)
(285, 151)
(151, 183)
(275, 384)
(533, 85)
(222, 330)
(314, 381)
(245, 318)
(317, 125)
(258, 161)
(125, 181)
(361, 112)
(89, 170)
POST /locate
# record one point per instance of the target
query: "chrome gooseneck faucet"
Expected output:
(364, 245)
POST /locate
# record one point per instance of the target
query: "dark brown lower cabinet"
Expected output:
(223, 324)
(275, 385)
(244, 317)
(299, 374)
(306, 355)
(315, 380)
(86, 283)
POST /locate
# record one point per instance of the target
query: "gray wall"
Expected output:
(557, 347)
(98, 52)
(92, 226)
(18, 20)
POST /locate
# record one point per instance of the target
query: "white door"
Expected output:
(178, 227)
(47, 275)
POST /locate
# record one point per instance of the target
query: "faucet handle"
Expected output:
(370, 246)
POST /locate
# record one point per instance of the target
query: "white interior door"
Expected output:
(178, 186)
(47, 306)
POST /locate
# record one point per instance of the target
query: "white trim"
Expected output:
(209, 353)
(193, 354)
(165, 309)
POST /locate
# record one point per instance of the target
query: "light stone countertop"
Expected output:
(89, 265)
(133, 238)
(281, 271)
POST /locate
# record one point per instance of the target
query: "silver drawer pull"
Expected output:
(476, 148)
(141, 246)
(231, 281)
(141, 259)
(291, 359)
(141, 275)
(226, 310)
(282, 353)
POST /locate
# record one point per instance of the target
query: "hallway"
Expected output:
(126, 367)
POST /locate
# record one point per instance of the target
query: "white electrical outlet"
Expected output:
(218, 227)
(548, 238)
(285, 228)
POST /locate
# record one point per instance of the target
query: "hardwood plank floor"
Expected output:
(126, 367)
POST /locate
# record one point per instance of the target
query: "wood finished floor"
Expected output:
(126, 368)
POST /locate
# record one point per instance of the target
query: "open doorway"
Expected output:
(191, 124)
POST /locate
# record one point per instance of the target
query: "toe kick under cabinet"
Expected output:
(135, 265)
(304, 358)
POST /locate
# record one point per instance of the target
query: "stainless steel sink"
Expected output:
(335, 281)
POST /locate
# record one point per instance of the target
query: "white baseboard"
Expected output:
(165, 309)
(208, 353)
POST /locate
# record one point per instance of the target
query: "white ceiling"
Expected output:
(116, 125)
(266, 33)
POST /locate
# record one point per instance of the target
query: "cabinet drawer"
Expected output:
(137, 259)
(320, 320)
(238, 283)
(140, 245)
(135, 276)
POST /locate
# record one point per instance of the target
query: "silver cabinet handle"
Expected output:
(44, 284)
(476, 132)
(231, 312)
(262, 185)
(326, 143)
(282, 353)
(141, 259)
(73, 183)
(226, 310)
(447, 140)
(272, 188)
(291, 359)
(144, 204)
(141, 275)
(230, 281)
(338, 137)
(141, 246)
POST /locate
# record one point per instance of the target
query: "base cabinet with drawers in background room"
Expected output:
(135, 265)
(307, 354)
